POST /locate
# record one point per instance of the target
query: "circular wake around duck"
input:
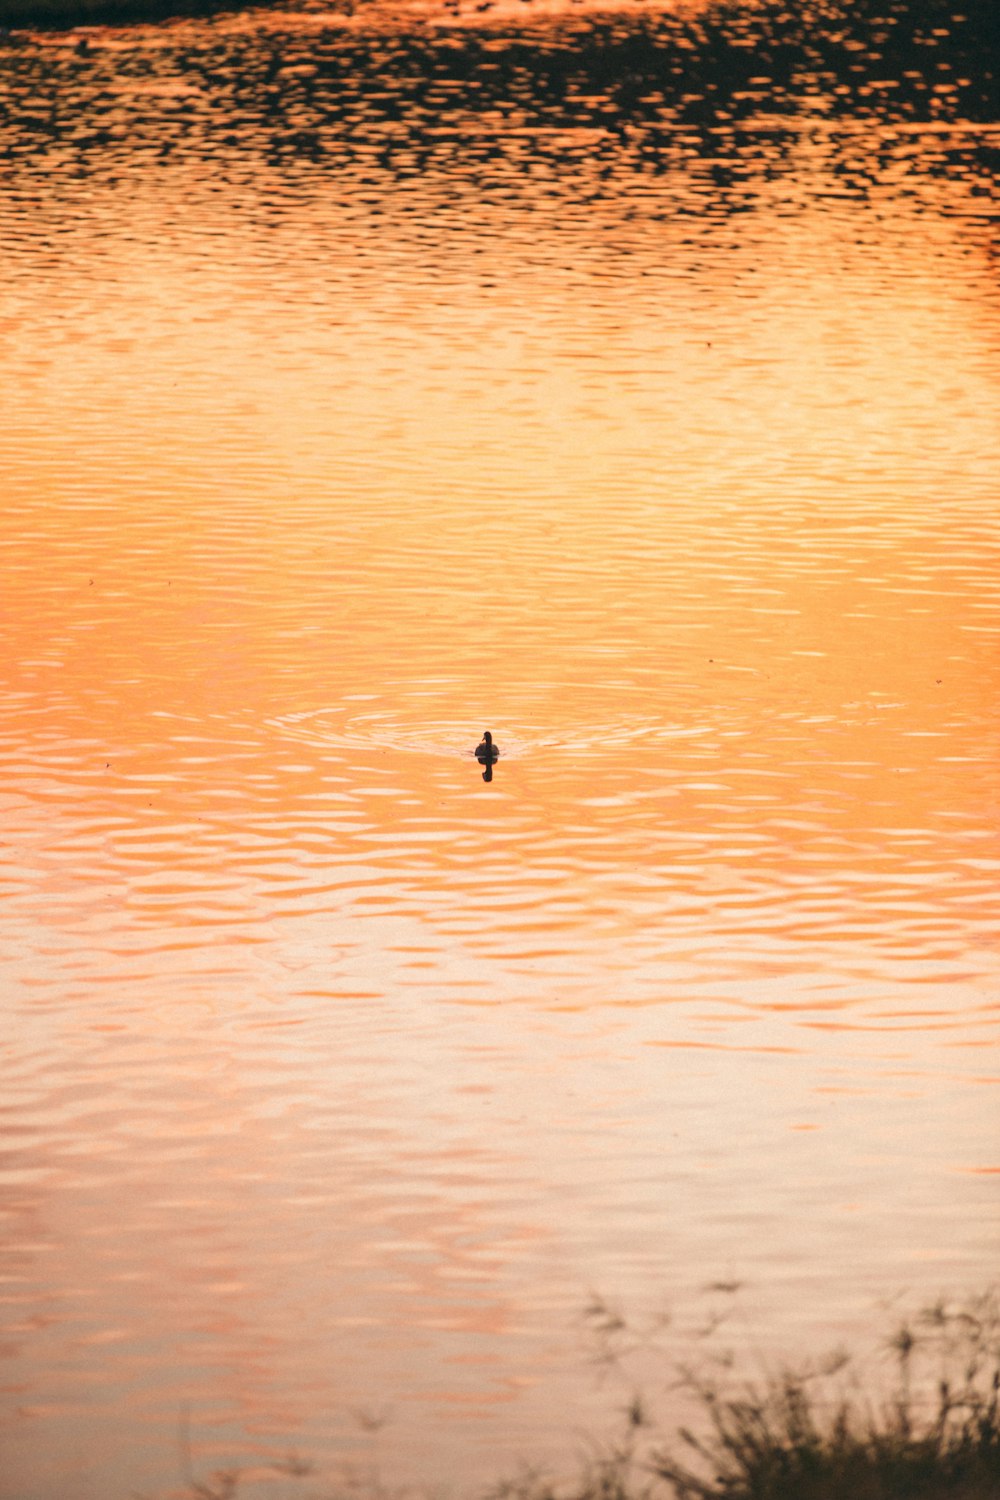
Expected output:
(390, 732)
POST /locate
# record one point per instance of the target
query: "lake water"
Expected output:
(625, 384)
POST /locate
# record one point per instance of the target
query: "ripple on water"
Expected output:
(390, 730)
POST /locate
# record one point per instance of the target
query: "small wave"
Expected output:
(389, 731)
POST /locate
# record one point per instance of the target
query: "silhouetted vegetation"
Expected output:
(930, 1430)
(934, 1434)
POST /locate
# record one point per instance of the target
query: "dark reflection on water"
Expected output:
(581, 98)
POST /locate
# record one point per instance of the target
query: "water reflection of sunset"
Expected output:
(452, 385)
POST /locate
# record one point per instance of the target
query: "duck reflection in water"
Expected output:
(487, 755)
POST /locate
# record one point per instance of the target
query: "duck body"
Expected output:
(486, 752)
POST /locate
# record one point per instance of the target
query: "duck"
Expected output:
(486, 752)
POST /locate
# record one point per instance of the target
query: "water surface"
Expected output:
(624, 383)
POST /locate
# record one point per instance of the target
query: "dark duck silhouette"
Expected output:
(487, 753)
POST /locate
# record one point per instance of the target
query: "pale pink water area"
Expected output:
(626, 385)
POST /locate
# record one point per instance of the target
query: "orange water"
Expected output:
(336, 1081)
